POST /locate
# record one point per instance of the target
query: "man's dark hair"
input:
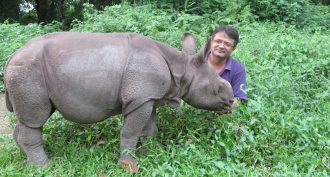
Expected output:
(229, 30)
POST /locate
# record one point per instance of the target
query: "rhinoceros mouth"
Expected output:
(226, 104)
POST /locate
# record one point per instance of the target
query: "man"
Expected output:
(223, 42)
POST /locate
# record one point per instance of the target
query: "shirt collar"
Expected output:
(228, 64)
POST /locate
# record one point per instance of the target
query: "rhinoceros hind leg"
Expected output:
(30, 141)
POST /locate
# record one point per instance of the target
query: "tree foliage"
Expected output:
(301, 13)
(9, 10)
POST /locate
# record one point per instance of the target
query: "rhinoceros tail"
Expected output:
(8, 103)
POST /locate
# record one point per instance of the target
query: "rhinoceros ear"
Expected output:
(189, 44)
(200, 59)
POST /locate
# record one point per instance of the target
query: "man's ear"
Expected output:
(234, 48)
(200, 59)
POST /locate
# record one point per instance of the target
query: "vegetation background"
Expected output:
(284, 130)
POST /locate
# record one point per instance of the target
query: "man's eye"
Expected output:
(219, 42)
(227, 44)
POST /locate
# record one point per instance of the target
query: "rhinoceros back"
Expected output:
(81, 72)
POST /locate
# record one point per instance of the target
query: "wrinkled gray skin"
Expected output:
(89, 77)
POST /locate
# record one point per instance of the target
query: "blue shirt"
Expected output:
(235, 74)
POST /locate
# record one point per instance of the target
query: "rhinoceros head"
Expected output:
(204, 88)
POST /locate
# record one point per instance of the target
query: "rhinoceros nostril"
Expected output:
(227, 102)
(231, 101)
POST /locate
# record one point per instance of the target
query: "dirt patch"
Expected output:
(5, 128)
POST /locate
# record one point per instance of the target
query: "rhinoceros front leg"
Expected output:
(30, 141)
(130, 134)
(150, 129)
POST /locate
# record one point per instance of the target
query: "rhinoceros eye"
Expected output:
(220, 90)
(217, 91)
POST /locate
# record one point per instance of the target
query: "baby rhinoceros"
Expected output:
(89, 77)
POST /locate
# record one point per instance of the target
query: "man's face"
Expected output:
(222, 46)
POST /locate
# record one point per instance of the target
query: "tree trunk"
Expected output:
(42, 6)
(52, 11)
(62, 10)
(9, 9)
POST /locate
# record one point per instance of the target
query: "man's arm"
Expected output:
(238, 84)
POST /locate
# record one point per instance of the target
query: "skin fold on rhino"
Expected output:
(89, 77)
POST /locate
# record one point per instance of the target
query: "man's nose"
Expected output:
(221, 44)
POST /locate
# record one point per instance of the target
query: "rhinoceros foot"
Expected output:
(30, 141)
(129, 165)
(41, 164)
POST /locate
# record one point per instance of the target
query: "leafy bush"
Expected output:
(301, 13)
(317, 18)
(291, 11)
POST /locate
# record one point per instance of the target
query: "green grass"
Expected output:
(190, 143)
(284, 130)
